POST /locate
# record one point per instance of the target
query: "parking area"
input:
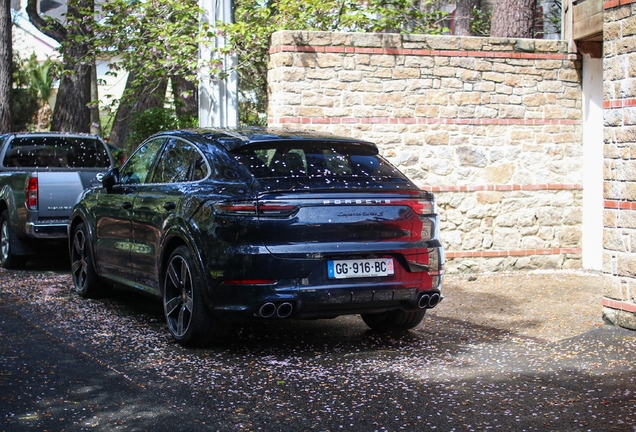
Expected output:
(522, 351)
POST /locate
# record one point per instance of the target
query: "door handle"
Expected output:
(127, 205)
(169, 206)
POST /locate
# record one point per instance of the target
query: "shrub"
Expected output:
(148, 122)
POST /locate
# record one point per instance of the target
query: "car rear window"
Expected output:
(315, 160)
(56, 152)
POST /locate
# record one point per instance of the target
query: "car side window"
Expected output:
(179, 162)
(139, 164)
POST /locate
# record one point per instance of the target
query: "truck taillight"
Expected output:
(31, 194)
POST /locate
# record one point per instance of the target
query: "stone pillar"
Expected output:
(619, 113)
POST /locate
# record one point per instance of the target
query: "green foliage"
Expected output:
(255, 21)
(106, 119)
(24, 106)
(41, 77)
(146, 123)
(160, 38)
(24, 97)
(251, 113)
(480, 22)
(554, 15)
(156, 38)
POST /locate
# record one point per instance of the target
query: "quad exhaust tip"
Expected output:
(278, 310)
(429, 301)
(267, 310)
(284, 310)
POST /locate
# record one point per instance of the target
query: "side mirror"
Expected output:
(110, 178)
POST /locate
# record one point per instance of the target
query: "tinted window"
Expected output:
(315, 160)
(179, 162)
(56, 152)
(136, 169)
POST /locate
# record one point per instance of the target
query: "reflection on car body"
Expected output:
(228, 225)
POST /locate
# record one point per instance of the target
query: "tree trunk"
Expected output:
(137, 98)
(186, 98)
(71, 112)
(6, 56)
(462, 16)
(96, 124)
(513, 18)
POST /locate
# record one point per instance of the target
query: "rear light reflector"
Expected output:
(31, 193)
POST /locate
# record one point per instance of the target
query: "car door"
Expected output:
(157, 203)
(113, 227)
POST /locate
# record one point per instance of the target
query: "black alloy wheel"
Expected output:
(395, 320)
(189, 321)
(7, 258)
(85, 279)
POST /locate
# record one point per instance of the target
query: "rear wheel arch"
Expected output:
(8, 242)
(168, 247)
(74, 222)
(172, 242)
(188, 317)
(86, 281)
(178, 236)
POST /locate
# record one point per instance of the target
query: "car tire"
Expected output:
(8, 259)
(189, 320)
(395, 320)
(85, 279)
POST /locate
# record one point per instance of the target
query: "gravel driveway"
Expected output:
(511, 351)
(550, 305)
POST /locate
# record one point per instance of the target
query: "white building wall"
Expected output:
(592, 239)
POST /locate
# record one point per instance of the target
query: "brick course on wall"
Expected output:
(619, 113)
(491, 125)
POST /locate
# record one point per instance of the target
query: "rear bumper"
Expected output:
(327, 301)
(47, 230)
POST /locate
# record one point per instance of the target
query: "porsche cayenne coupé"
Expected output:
(228, 226)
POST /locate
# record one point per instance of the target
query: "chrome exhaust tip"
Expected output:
(267, 310)
(434, 300)
(284, 310)
(423, 302)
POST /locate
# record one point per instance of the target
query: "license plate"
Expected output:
(374, 267)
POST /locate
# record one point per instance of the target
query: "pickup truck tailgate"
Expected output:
(58, 192)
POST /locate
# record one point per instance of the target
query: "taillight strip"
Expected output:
(251, 208)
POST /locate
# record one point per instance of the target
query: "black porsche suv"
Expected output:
(234, 225)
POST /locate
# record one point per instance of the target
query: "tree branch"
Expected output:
(52, 28)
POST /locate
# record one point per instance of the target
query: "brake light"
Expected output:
(420, 207)
(276, 209)
(31, 193)
(240, 208)
(253, 208)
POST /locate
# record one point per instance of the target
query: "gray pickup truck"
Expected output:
(41, 176)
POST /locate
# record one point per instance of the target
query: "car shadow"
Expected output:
(54, 259)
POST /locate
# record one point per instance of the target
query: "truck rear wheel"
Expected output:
(7, 258)
(85, 279)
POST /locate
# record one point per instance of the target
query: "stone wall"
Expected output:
(492, 126)
(619, 112)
